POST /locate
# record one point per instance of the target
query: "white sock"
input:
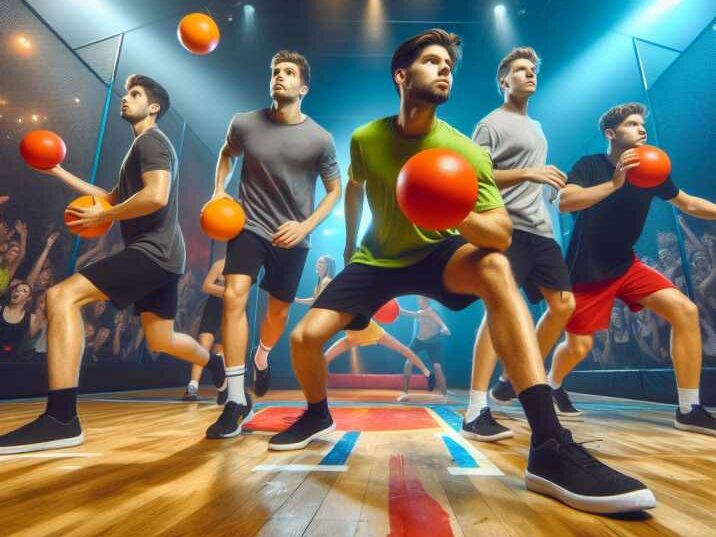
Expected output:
(193, 386)
(478, 401)
(687, 398)
(261, 356)
(235, 384)
(552, 383)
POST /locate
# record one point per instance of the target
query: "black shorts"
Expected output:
(211, 317)
(537, 262)
(433, 347)
(248, 252)
(131, 277)
(362, 289)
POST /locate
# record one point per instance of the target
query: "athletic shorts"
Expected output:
(248, 252)
(362, 289)
(433, 347)
(594, 301)
(211, 316)
(132, 277)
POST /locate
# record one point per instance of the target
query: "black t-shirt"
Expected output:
(602, 244)
(157, 234)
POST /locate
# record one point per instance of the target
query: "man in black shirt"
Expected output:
(609, 218)
(145, 273)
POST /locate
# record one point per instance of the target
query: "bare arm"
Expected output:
(291, 233)
(209, 286)
(355, 194)
(438, 320)
(224, 165)
(308, 301)
(79, 185)
(37, 267)
(576, 198)
(548, 175)
(100, 338)
(694, 206)
(490, 229)
(21, 229)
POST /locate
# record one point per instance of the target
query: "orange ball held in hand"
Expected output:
(222, 219)
(198, 33)
(653, 169)
(88, 232)
(437, 189)
(42, 149)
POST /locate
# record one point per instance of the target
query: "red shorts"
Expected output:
(595, 300)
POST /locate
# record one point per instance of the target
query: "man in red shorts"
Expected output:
(609, 218)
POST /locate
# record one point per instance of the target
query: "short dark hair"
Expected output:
(408, 51)
(517, 53)
(297, 58)
(613, 117)
(155, 91)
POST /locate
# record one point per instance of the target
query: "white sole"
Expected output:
(568, 416)
(694, 428)
(303, 443)
(41, 446)
(481, 438)
(637, 500)
(236, 432)
(504, 402)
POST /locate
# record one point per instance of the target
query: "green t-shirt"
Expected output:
(378, 153)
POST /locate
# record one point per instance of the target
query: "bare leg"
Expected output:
(65, 329)
(393, 344)
(568, 354)
(234, 324)
(206, 340)
(440, 380)
(161, 337)
(307, 341)
(274, 322)
(338, 348)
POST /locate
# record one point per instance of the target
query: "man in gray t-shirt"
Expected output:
(284, 152)
(519, 155)
(145, 273)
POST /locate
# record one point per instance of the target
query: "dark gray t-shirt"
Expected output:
(516, 141)
(280, 168)
(158, 234)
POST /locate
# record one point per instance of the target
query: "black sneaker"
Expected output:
(698, 420)
(44, 433)
(189, 396)
(563, 405)
(303, 430)
(262, 380)
(232, 417)
(484, 428)
(503, 392)
(566, 471)
(222, 396)
(431, 381)
(218, 370)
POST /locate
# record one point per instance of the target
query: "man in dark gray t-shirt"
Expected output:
(145, 273)
(519, 155)
(284, 152)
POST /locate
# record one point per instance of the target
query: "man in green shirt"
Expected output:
(455, 267)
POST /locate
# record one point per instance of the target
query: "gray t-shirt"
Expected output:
(517, 141)
(280, 168)
(158, 234)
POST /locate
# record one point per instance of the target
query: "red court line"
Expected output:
(349, 419)
(413, 512)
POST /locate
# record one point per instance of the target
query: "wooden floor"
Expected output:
(146, 469)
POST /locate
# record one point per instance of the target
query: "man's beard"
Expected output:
(428, 94)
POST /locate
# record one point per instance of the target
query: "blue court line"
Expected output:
(459, 454)
(342, 450)
(452, 418)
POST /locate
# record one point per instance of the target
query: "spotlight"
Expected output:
(500, 10)
(249, 10)
(19, 120)
(77, 100)
(34, 118)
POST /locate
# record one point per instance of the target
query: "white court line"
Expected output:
(486, 466)
(4, 458)
(300, 468)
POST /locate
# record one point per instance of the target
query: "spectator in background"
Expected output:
(122, 337)
(16, 322)
(103, 321)
(13, 256)
(42, 275)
